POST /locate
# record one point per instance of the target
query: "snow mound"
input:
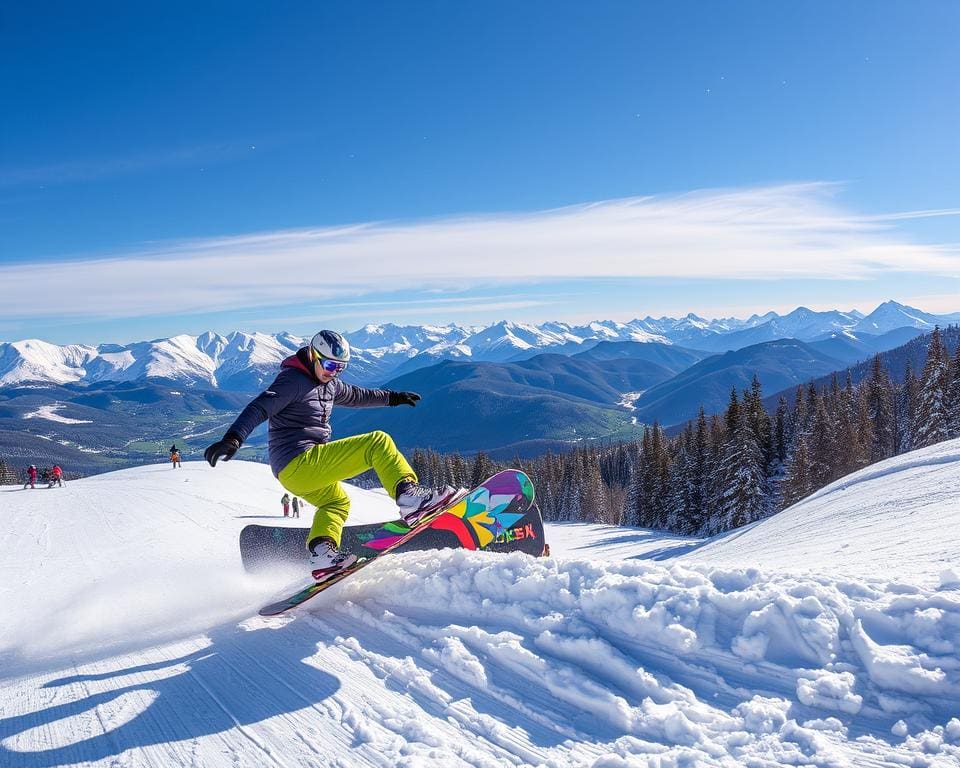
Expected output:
(130, 637)
(685, 662)
(898, 518)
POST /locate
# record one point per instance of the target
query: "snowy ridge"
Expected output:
(459, 658)
(242, 360)
(36, 360)
(834, 525)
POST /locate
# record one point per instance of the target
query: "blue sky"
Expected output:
(248, 166)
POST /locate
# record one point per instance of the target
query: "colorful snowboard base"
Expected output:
(499, 515)
(263, 547)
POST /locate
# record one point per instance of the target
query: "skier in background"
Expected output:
(296, 507)
(298, 405)
(175, 458)
(56, 476)
(285, 503)
(31, 477)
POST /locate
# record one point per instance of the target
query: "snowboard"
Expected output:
(497, 513)
(263, 547)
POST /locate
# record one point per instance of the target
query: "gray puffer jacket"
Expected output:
(298, 407)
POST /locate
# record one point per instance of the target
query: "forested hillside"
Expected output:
(730, 469)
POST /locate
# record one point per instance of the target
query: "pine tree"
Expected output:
(798, 421)
(698, 475)
(848, 451)
(797, 484)
(434, 469)
(8, 475)
(906, 410)
(570, 491)
(759, 422)
(554, 485)
(953, 397)
(646, 501)
(931, 408)
(483, 467)
(419, 463)
(864, 428)
(821, 443)
(781, 432)
(742, 485)
(661, 473)
(593, 496)
(732, 416)
(677, 502)
(880, 405)
(639, 499)
(459, 472)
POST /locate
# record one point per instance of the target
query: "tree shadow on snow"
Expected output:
(231, 682)
(666, 553)
(673, 549)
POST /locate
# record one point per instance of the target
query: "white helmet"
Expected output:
(330, 345)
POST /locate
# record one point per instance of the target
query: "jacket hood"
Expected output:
(301, 361)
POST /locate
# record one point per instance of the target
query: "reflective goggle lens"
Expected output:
(332, 366)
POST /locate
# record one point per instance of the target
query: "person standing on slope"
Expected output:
(296, 507)
(285, 503)
(31, 478)
(307, 463)
(56, 476)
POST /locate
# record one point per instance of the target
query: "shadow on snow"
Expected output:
(221, 687)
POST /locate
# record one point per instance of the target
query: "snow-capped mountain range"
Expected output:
(243, 361)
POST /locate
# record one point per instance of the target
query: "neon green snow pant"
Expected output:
(316, 475)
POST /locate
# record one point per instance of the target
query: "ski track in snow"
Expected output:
(627, 648)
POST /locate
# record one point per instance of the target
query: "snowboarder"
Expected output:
(298, 405)
(56, 476)
(31, 477)
(296, 507)
(285, 503)
(175, 458)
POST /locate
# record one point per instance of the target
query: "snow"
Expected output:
(130, 636)
(858, 524)
(212, 358)
(627, 400)
(33, 359)
(49, 412)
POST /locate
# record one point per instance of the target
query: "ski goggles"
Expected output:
(333, 367)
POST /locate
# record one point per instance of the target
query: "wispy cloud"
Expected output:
(97, 168)
(776, 232)
(414, 308)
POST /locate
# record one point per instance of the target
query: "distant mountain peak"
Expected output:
(380, 350)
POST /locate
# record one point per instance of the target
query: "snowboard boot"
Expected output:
(416, 501)
(327, 560)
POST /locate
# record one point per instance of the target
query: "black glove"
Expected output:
(222, 449)
(403, 398)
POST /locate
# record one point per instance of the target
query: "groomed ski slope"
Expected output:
(825, 636)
